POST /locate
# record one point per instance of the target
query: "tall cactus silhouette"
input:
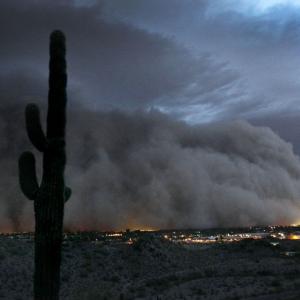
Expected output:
(49, 197)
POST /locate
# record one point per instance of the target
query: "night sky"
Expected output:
(165, 97)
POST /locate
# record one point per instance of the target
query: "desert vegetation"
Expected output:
(50, 196)
(154, 268)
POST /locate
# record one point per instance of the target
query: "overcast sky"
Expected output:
(207, 62)
(198, 60)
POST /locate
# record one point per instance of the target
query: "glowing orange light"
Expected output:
(294, 237)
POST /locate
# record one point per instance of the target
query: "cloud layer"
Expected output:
(260, 45)
(113, 64)
(146, 170)
(197, 62)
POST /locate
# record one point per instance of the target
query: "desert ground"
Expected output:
(155, 268)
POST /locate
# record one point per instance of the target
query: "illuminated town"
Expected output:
(206, 236)
(264, 260)
(185, 237)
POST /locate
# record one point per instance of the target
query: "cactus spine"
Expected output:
(50, 195)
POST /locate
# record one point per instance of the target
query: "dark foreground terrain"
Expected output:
(155, 268)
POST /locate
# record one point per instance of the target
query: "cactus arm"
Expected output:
(34, 127)
(27, 175)
(68, 193)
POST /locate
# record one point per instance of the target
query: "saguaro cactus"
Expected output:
(50, 195)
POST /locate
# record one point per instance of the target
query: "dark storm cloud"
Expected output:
(137, 169)
(262, 46)
(144, 169)
(285, 124)
(198, 60)
(113, 64)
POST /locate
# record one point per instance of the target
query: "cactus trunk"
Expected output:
(49, 197)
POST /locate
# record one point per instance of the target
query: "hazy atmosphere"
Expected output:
(181, 114)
